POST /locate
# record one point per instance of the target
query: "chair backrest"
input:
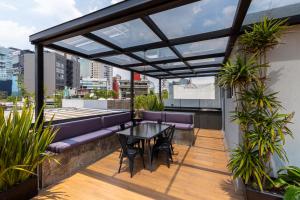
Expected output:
(170, 133)
(123, 142)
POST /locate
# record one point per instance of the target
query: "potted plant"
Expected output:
(262, 125)
(22, 148)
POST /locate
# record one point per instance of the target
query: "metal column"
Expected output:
(39, 82)
(159, 90)
(132, 94)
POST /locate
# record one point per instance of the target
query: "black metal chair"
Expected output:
(130, 152)
(164, 143)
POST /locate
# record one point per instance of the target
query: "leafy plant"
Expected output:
(238, 74)
(22, 145)
(263, 127)
(292, 193)
(289, 180)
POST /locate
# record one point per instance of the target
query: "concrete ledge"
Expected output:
(184, 137)
(75, 159)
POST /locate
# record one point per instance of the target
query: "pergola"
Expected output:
(163, 39)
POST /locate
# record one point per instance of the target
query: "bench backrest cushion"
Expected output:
(116, 119)
(185, 118)
(153, 116)
(76, 128)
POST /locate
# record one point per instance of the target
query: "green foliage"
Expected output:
(58, 96)
(292, 193)
(262, 36)
(245, 163)
(149, 102)
(165, 94)
(239, 74)
(22, 146)
(263, 127)
(105, 94)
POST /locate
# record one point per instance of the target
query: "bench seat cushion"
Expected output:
(76, 128)
(63, 145)
(181, 126)
(114, 128)
(116, 119)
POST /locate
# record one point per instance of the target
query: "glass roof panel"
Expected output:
(120, 59)
(83, 45)
(157, 73)
(206, 69)
(172, 65)
(182, 71)
(194, 18)
(128, 34)
(203, 47)
(271, 8)
(156, 54)
(206, 61)
(143, 68)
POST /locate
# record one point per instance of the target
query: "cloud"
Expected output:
(62, 10)
(7, 6)
(229, 11)
(115, 1)
(13, 34)
(209, 22)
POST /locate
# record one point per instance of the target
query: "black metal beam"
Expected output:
(150, 23)
(187, 73)
(214, 55)
(97, 39)
(39, 83)
(109, 16)
(194, 67)
(172, 42)
(188, 76)
(159, 89)
(69, 51)
(132, 94)
(238, 20)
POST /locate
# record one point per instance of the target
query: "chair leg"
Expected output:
(168, 159)
(121, 153)
(121, 161)
(131, 161)
(172, 148)
(170, 155)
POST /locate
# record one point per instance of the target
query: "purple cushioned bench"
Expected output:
(115, 122)
(184, 124)
(79, 143)
(153, 116)
(70, 133)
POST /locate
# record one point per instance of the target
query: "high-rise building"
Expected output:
(5, 64)
(96, 70)
(140, 88)
(58, 72)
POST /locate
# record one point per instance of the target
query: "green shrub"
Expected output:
(22, 146)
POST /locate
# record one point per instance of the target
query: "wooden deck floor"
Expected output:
(198, 172)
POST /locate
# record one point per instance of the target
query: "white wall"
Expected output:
(81, 103)
(285, 79)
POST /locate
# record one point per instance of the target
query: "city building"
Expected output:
(88, 85)
(59, 72)
(141, 87)
(97, 70)
(5, 64)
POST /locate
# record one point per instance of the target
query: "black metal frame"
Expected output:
(133, 9)
(126, 11)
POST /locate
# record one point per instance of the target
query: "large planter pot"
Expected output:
(252, 194)
(23, 191)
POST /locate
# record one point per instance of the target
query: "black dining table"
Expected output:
(145, 131)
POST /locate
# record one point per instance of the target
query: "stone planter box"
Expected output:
(23, 191)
